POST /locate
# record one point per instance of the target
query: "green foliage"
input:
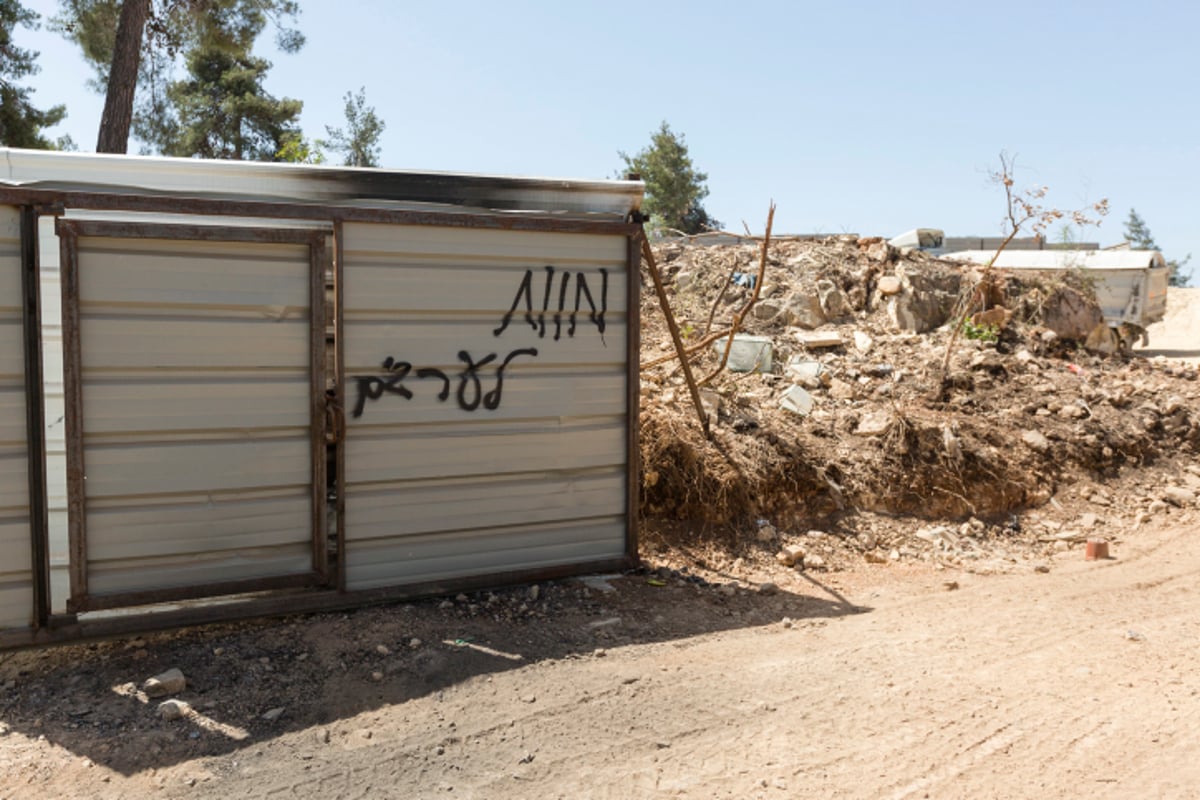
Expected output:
(298, 150)
(223, 111)
(21, 124)
(210, 39)
(359, 141)
(982, 333)
(674, 188)
(1137, 233)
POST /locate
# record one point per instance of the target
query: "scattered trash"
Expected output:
(1097, 550)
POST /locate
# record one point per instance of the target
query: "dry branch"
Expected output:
(737, 318)
(652, 267)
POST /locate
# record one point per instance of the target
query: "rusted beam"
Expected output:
(318, 255)
(35, 418)
(339, 343)
(633, 349)
(83, 628)
(73, 412)
(316, 212)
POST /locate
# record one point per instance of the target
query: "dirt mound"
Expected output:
(848, 411)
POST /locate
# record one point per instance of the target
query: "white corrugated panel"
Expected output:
(56, 442)
(195, 411)
(451, 471)
(1063, 259)
(16, 575)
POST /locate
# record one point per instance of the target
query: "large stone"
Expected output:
(1070, 314)
(863, 342)
(173, 709)
(798, 401)
(1179, 496)
(875, 423)
(889, 285)
(767, 310)
(1036, 441)
(166, 683)
(1103, 340)
(803, 309)
(881, 251)
(806, 372)
(748, 353)
(841, 390)
(790, 554)
(818, 339)
(926, 302)
(833, 300)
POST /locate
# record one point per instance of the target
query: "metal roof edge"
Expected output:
(317, 183)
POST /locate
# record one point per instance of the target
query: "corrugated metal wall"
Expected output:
(56, 429)
(452, 469)
(16, 575)
(196, 411)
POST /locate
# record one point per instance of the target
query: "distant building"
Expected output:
(937, 242)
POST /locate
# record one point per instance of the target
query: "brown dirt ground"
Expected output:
(886, 681)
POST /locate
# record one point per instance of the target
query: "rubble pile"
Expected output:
(834, 408)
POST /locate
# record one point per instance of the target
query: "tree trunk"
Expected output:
(122, 78)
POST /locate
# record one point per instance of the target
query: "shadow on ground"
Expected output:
(316, 669)
(1151, 352)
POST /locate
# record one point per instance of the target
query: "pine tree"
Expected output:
(133, 47)
(21, 124)
(674, 188)
(359, 142)
(1137, 233)
(222, 111)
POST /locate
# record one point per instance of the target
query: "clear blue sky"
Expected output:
(872, 117)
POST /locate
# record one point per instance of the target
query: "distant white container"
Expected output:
(748, 354)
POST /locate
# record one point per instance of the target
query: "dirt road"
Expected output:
(1080, 682)
(1178, 334)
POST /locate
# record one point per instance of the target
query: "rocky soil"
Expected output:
(878, 591)
(854, 446)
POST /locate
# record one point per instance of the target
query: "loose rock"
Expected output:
(165, 683)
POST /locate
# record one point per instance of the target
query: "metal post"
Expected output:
(35, 418)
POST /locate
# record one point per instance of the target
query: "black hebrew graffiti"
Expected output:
(470, 394)
(583, 292)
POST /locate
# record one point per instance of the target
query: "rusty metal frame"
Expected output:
(35, 418)
(316, 395)
(633, 349)
(309, 593)
(69, 232)
(73, 412)
(65, 628)
(315, 212)
(339, 359)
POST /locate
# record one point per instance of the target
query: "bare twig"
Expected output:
(758, 282)
(1021, 209)
(720, 296)
(688, 351)
(652, 267)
